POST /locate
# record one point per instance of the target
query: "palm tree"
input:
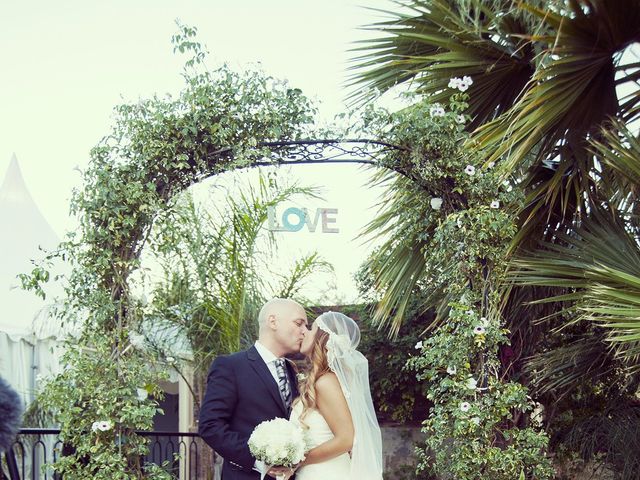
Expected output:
(554, 99)
(547, 75)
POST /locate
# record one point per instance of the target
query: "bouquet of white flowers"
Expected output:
(278, 442)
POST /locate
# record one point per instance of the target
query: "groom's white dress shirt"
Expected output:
(269, 358)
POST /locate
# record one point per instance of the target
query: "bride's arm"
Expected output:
(333, 407)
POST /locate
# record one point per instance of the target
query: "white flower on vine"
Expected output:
(460, 119)
(469, 312)
(495, 204)
(491, 164)
(470, 170)
(472, 383)
(479, 330)
(171, 360)
(452, 370)
(436, 203)
(484, 322)
(464, 83)
(476, 420)
(461, 84)
(418, 345)
(103, 426)
(142, 394)
(465, 406)
(436, 111)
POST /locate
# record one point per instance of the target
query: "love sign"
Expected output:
(294, 219)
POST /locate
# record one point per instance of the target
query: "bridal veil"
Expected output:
(352, 370)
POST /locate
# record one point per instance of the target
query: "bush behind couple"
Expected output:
(333, 404)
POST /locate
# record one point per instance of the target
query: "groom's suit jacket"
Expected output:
(241, 393)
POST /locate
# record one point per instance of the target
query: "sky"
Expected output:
(66, 65)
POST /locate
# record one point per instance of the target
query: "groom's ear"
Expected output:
(271, 322)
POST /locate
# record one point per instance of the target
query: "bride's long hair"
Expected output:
(319, 366)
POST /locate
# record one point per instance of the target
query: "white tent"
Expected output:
(27, 336)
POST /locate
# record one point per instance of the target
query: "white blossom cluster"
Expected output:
(278, 442)
(461, 84)
(437, 110)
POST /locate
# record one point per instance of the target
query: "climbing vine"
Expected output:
(157, 148)
(451, 227)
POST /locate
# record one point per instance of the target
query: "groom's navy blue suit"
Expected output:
(241, 393)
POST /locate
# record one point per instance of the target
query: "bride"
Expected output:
(335, 407)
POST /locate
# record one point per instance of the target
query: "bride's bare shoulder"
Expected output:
(327, 383)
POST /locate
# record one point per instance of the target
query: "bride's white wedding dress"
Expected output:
(338, 468)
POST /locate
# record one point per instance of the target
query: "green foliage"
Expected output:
(476, 427)
(550, 77)
(156, 149)
(461, 214)
(473, 200)
(592, 430)
(597, 267)
(115, 386)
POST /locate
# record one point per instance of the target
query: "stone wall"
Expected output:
(398, 449)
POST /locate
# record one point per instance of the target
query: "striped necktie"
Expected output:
(283, 382)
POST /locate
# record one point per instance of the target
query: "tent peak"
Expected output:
(14, 189)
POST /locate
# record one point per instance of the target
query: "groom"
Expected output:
(247, 388)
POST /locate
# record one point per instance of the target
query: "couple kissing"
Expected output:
(332, 404)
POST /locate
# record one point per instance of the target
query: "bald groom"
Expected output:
(247, 388)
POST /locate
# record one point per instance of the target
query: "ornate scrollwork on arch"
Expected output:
(318, 151)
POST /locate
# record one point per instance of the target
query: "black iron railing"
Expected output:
(177, 452)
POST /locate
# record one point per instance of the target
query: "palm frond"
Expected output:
(442, 39)
(619, 149)
(599, 266)
(573, 91)
(611, 436)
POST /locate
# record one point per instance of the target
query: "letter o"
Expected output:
(301, 219)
